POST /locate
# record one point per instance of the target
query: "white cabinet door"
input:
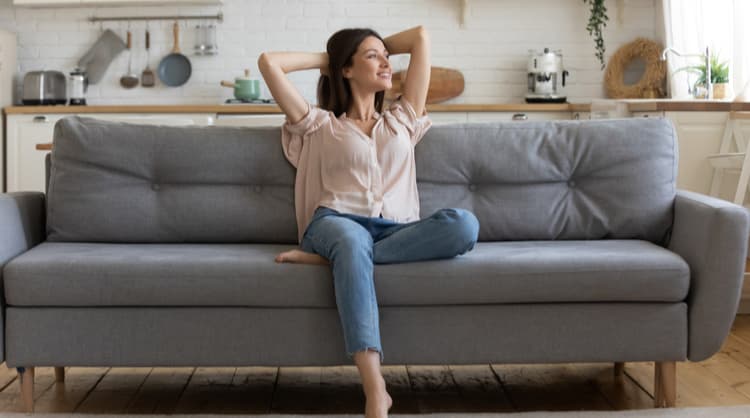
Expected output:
(170, 119)
(147, 2)
(25, 168)
(50, 3)
(92, 3)
(516, 116)
(699, 134)
(275, 119)
(442, 118)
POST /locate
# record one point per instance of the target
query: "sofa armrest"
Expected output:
(712, 236)
(22, 226)
(22, 223)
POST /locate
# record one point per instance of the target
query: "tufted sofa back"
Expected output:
(116, 182)
(554, 180)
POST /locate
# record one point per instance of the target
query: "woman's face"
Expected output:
(370, 69)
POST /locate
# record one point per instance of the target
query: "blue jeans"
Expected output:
(353, 243)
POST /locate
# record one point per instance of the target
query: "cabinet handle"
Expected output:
(520, 116)
(40, 119)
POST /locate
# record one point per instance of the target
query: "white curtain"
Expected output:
(691, 25)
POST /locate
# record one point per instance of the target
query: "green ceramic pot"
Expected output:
(246, 88)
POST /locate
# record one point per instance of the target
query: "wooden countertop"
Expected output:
(264, 108)
(633, 106)
(686, 106)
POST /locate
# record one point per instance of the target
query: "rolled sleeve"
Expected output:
(293, 135)
(417, 126)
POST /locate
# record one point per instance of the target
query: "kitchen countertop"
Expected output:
(633, 106)
(270, 108)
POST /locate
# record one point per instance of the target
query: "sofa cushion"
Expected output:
(86, 274)
(554, 180)
(120, 182)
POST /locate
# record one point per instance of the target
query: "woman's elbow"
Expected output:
(265, 62)
(422, 33)
(423, 37)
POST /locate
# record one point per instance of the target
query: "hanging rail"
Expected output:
(219, 17)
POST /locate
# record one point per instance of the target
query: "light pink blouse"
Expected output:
(340, 167)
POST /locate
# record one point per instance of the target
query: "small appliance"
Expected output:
(545, 71)
(78, 83)
(44, 88)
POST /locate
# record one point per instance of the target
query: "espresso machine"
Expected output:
(545, 71)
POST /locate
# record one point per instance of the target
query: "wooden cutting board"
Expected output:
(445, 83)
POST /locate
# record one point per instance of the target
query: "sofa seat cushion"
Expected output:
(94, 274)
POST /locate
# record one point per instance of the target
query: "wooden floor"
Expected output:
(724, 379)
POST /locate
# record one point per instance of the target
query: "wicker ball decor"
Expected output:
(651, 82)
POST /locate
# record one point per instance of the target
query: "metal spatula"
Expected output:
(147, 76)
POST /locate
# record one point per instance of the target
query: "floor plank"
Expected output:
(399, 388)
(66, 396)
(479, 389)
(114, 392)
(161, 390)
(10, 397)
(297, 391)
(341, 390)
(206, 391)
(555, 387)
(620, 391)
(434, 388)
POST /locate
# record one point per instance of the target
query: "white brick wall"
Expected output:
(491, 50)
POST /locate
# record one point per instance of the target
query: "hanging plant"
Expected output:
(597, 20)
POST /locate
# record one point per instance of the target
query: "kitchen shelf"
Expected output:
(113, 3)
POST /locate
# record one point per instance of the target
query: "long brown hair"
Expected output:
(334, 91)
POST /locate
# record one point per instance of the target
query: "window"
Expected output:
(691, 25)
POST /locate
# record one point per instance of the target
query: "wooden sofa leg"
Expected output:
(59, 374)
(665, 384)
(619, 368)
(26, 378)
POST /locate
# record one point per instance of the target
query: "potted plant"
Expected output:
(719, 77)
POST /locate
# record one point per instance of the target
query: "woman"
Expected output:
(355, 191)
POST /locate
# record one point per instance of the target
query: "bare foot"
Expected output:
(301, 257)
(377, 405)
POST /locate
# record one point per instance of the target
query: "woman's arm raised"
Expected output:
(275, 65)
(416, 42)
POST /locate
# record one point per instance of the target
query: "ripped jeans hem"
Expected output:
(377, 350)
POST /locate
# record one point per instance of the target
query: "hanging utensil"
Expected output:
(175, 68)
(129, 80)
(147, 76)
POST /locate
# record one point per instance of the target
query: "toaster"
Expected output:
(44, 88)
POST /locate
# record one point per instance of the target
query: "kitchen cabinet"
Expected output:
(8, 53)
(699, 135)
(276, 119)
(25, 164)
(473, 117)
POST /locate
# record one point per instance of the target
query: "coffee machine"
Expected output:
(545, 70)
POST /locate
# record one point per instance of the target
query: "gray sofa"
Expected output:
(154, 246)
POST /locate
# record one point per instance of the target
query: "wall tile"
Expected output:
(491, 49)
